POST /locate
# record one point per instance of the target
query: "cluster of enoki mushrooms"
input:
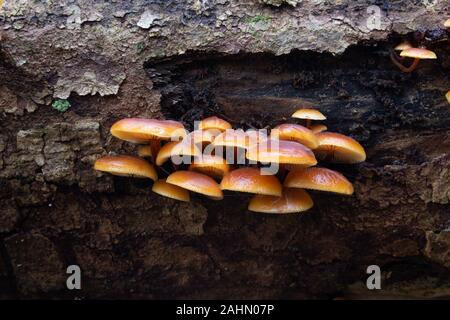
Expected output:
(249, 157)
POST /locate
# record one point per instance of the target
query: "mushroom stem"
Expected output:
(308, 123)
(155, 145)
(409, 69)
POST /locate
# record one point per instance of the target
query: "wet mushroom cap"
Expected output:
(295, 132)
(145, 151)
(252, 181)
(316, 128)
(291, 201)
(196, 182)
(232, 138)
(213, 166)
(126, 166)
(168, 190)
(447, 95)
(403, 46)
(418, 53)
(319, 179)
(214, 123)
(280, 151)
(336, 147)
(139, 130)
(309, 114)
(177, 148)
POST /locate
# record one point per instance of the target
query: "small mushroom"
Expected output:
(280, 151)
(196, 182)
(308, 115)
(168, 190)
(126, 166)
(295, 132)
(447, 23)
(335, 147)
(316, 128)
(319, 179)
(252, 181)
(447, 95)
(237, 140)
(403, 46)
(213, 166)
(417, 54)
(177, 148)
(139, 130)
(148, 131)
(232, 138)
(291, 201)
(214, 123)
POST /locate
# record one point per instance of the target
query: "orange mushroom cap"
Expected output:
(418, 53)
(319, 179)
(168, 190)
(336, 147)
(309, 114)
(213, 166)
(251, 180)
(196, 182)
(403, 46)
(145, 151)
(280, 151)
(214, 123)
(316, 128)
(295, 132)
(291, 201)
(232, 138)
(143, 130)
(447, 95)
(177, 148)
(126, 166)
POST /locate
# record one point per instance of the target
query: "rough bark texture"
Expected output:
(252, 62)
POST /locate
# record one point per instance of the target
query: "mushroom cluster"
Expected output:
(276, 167)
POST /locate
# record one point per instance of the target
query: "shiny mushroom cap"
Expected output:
(214, 123)
(196, 182)
(177, 148)
(295, 132)
(316, 128)
(447, 95)
(168, 190)
(403, 46)
(232, 138)
(213, 166)
(418, 53)
(291, 201)
(126, 166)
(280, 151)
(319, 179)
(309, 114)
(335, 147)
(447, 23)
(252, 181)
(138, 130)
